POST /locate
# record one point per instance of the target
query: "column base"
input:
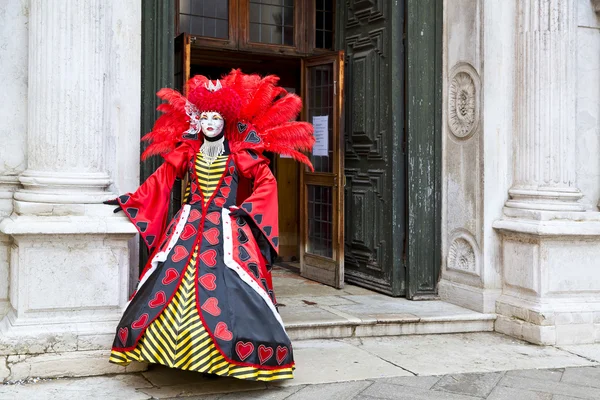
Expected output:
(69, 278)
(547, 199)
(551, 279)
(62, 188)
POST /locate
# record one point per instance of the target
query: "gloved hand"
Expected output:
(113, 202)
(236, 212)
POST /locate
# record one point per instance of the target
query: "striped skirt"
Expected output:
(179, 340)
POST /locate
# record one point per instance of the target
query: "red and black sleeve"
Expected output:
(148, 207)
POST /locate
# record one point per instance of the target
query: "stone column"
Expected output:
(550, 246)
(69, 258)
(67, 72)
(545, 125)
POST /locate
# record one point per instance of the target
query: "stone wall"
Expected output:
(70, 130)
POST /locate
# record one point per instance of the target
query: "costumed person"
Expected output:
(205, 299)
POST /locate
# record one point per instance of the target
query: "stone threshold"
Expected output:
(311, 310)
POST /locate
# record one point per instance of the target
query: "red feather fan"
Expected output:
(258, 114)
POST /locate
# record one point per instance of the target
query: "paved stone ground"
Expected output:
(453, 367)
(550, 384)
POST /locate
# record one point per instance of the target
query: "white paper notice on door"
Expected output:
(321, 125)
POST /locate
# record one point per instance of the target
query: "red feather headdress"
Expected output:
(259, 115)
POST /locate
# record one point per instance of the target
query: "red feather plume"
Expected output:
(265, 111)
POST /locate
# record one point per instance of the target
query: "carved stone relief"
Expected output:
(463, 254)
(463, 101)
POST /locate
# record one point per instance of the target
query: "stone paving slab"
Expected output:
(118, 387)
(363, 369)
(589, 376)
(589, 351)
(464, 353)
(554, 388)
(477, 385)
(321, 361)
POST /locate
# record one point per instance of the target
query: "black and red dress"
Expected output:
(205, 300)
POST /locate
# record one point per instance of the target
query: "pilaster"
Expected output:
(66, 137)
(545, 119)
(550, 244)
(70, 256)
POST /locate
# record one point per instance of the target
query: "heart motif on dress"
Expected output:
(208, 281)
(211, 306)
(264, 353)
(214, 217)
(244, 255)
(196, 198)
(209, 257)
(231, 170)
(212, 236)
(123, 333)
(141, 322)
(225, 191)
(244, 350)
(281, 354)
(179, 253)
(188, 232)
(220, 201)
(170, 276)
(194, 215)
(252, 137)
(227, 180)
(159, 299)
(222, 331)
(242, 127)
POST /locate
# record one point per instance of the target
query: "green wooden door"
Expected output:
(158, 30)
(371, 34)
(392, 144)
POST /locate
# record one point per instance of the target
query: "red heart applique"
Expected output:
(208, 281)
(227, 180)
(222, 332)
(194, 215)
(123, 333)
(281, 354)
(209, 257)
(225, 191)
(158, 300)
(231, 170)
(212, 236)
(170, 276)
(179, 253)
(196, 198)
(211, 306)
(264, 353)
(220, 201)
(188, 232)
(244, 350)
(214, 217)
(141, 322)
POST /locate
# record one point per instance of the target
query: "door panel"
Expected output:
(181, 74)
(370, 33)
(322, 202)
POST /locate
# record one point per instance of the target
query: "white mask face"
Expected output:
(211, 123)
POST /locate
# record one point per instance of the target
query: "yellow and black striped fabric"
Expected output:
(178, 339)
(208, 175)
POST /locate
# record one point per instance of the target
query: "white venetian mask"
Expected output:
(211, 123)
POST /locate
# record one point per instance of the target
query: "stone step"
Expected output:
(389, 325)
(311, 310)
